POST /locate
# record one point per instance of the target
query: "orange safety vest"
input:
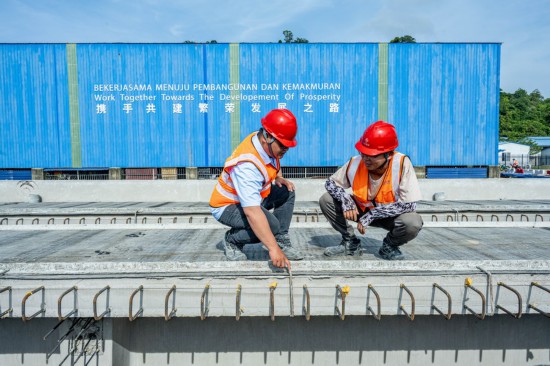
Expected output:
(225, 193)
(358, 176)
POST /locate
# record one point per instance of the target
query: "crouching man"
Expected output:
(384, 194)
(245, 192)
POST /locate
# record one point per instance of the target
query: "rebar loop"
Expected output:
(532, 306)
(169, 315)
(60, 315)
(82, 221)
(402, 307)
(291, 292)
(238, 309)
(140, 311)
(24, 302)
(98, 221)
(204, 302)
(518, 315)
(9, 311)
(341, 292)
(526, 217)
(107, 308)
(378, 314)
(509, 216)
(272, 288)
(478, 217)
(19, 221)
(51, 221)
(494, 216)
(434, 217)
(482, 315)
(113, 220)
(537, 216)
(307, 307)
(449, 303)
(66, 221)
(36, 221)
(4, 220)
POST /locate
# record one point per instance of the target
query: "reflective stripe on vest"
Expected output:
(225, 193)
(358, 177)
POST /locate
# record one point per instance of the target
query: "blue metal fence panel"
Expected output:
(455, 173)
(34, 114)
(15, 174)
(443, 99)
(139, 103)
(331, 88)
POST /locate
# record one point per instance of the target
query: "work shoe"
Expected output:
(233, 252)
(390, 252)
(291, 253)
(346, 247)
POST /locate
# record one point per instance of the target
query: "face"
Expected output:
(279, 150)
(373, 162)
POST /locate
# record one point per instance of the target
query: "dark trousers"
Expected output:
(282, 203)
(401, 229)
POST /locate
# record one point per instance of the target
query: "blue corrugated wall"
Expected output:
(443, 99)
(34, 111)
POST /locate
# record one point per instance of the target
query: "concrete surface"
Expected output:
(306, 190)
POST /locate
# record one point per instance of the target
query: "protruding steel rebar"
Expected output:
(411, 315)
(518, 314)
(377, 315)
(307, 307)
(9, 311)
(169, 315)
(532, 306)
(204, 302)
(342, 293)
(24, 302)
(449, 303)
(60, 315)
(238, 309)
(291, 292)
(272, 288)
(481, 316)
(132, 317)
(107, 308)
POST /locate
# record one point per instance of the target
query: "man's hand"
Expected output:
(361, 228)
(280, 181)
(351, 214)
(278, 258)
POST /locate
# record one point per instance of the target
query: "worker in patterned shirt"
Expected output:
(384, 192)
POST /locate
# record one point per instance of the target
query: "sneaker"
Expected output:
(291, 253)
(346, 247)
(390, 252)
(233, 252)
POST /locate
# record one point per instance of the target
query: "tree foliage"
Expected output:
(404, 39)
(289, 38)
(522, 115)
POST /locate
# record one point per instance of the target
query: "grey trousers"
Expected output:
(401, 229)
(282, 203)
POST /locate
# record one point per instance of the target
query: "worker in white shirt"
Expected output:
(245, 193)
(384, 194)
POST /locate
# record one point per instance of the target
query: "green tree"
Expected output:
(523, 114)
(404, 39)
(289, 38)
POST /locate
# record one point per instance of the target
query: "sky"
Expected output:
(523, 27)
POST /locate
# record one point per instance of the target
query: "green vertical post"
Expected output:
(383, 81)
(74, 115)
(234, 78)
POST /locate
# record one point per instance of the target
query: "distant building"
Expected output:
(544, 142)
(508, 151)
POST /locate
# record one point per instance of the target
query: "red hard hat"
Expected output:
(281, 124)
(378, 138)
